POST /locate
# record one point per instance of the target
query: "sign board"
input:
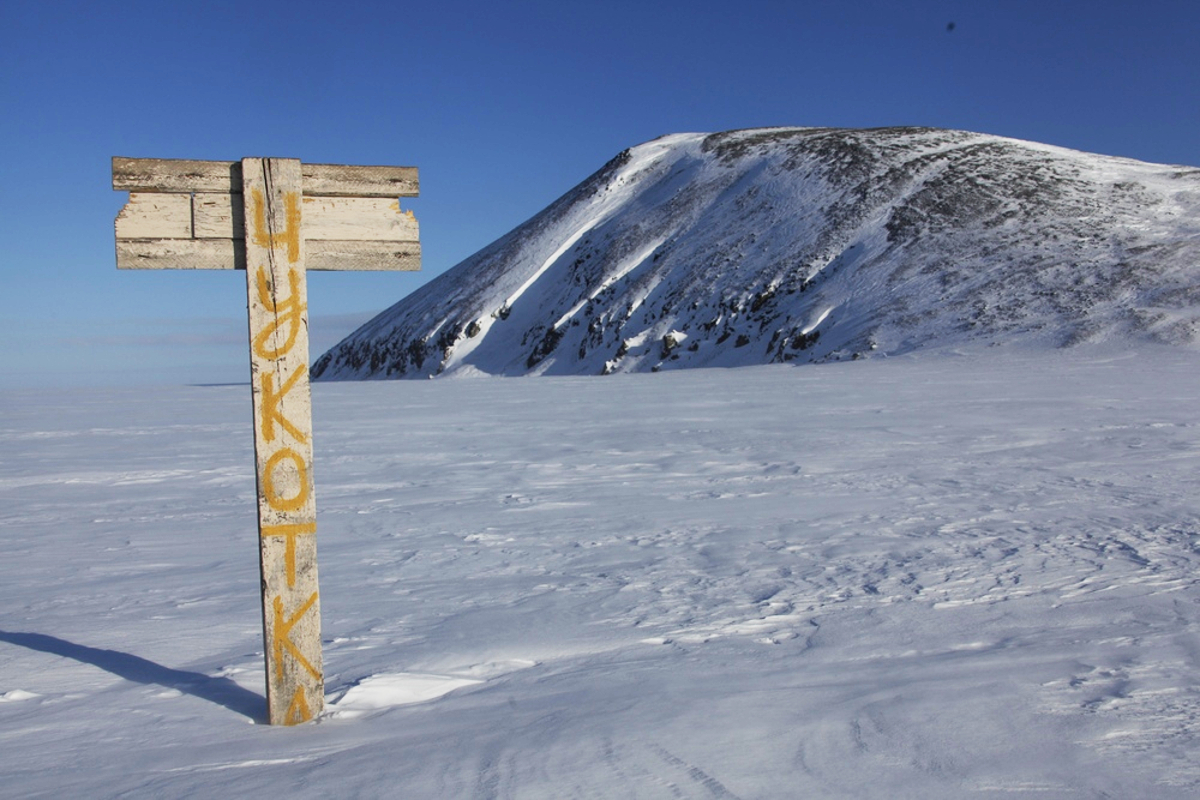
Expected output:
(275, 218)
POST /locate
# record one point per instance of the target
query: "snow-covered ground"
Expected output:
(968, 574)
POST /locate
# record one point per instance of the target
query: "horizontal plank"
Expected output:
(221, 216)
(181, 254)
(175, 175)
(231, 254)
(344, 180)
(329, 180)
(356, 219)
(370, 256)
(155, 216)
(218, 216)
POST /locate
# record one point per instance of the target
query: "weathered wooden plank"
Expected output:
(342, 180)
(176, 175)
(322, 256)
(328, 180)
(219, 216)
(181, 254)
(369, 256)
(155, 216)
(358, 219)
(278, 308)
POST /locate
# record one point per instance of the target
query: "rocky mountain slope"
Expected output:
(808, 244)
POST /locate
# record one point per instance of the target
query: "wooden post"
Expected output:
(287, 510)
(263, 215)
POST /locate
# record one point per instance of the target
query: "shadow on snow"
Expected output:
(222, 691)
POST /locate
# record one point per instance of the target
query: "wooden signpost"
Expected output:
(274, 218)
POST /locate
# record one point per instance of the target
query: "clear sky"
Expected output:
(503, 106)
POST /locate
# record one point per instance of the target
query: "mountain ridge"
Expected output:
(808, 244)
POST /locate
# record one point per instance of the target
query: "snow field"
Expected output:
(964, 574)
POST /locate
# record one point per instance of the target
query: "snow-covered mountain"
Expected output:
(808, 244)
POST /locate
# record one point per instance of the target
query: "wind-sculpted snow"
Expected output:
(941, 577)
(804, 244)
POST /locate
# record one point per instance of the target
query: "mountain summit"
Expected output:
(808, 244)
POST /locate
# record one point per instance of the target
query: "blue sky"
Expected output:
(503, 106)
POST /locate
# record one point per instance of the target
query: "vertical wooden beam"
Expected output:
(287, 521)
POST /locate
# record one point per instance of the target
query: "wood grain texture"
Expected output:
(220, 216)
(342, 180)
(364, 256)
(155, 216)
(175, 175)
(181, 254)
(330, 180)
(278, 308)
(322, 256)
(357, 219)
